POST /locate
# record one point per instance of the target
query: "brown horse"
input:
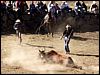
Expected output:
(53, 57)
(49, 23)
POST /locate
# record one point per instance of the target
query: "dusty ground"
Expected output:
(16, 58)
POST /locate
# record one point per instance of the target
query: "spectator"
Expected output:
(18, 4)
(78, 6)
(44, 7)
(3, 7)
(14, 4)
(39, 4)
(9, 7)
(32, 8)
(50, 4)
(22, 7)
(65, 6)
(93, 6)
(57, 10)
(25, 7)
(84, 6)
(77, 3)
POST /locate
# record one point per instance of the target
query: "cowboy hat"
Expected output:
(18, 20)
(68, 26)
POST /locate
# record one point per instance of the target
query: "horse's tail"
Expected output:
(41, 24)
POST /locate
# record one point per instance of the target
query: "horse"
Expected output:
(48, 23)
(54, 57)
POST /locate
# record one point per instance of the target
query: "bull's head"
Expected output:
(42, 53)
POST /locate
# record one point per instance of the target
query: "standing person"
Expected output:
(65, 6)
(32, 8)
(84, 7)
(18, 27)
(49, 6)
(3, 7)
(67, 35)
(57, 8)
(9, 7)
(78, 8)
(94, 7)
(25, 7)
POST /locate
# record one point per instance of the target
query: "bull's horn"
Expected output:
(39, 50)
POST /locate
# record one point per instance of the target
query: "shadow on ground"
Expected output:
(39, 46)
(82, 39)
(84, 55)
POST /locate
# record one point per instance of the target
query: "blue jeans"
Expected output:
(66, 47)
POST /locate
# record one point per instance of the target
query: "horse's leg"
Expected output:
(53, 28)
(48, 29)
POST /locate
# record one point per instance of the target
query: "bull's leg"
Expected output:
(72, 64)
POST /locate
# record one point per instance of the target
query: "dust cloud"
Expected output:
(27, 58)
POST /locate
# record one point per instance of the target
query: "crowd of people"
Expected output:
(53, 7)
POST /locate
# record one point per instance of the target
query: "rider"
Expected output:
(67, 34)
(53, 11)
(93, 5)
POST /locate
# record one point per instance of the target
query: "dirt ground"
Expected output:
(23, 59)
